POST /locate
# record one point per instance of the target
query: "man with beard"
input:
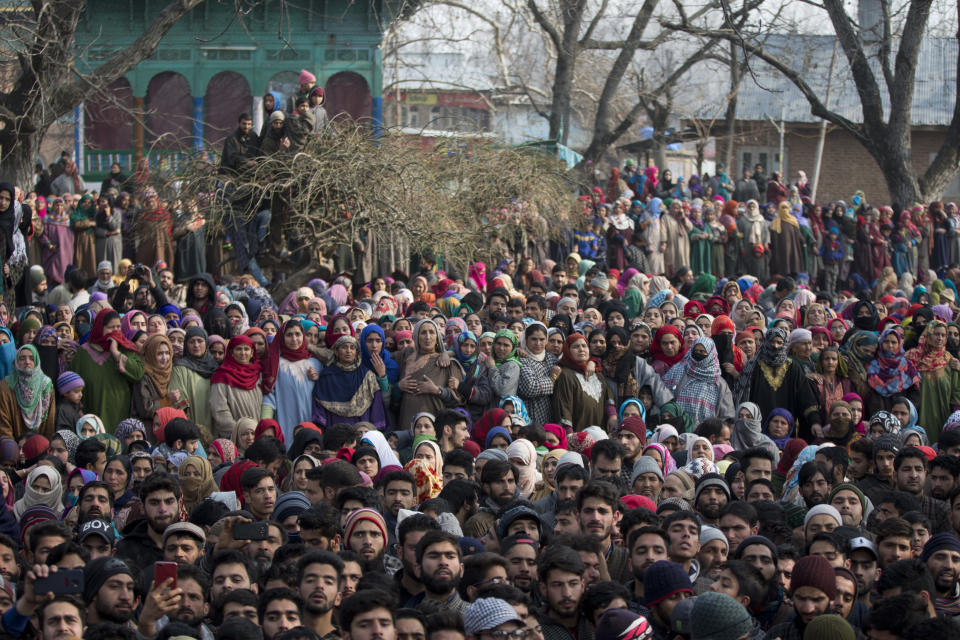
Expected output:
(814, 482)
(109, 591)
(521, 552)
(667, 584)
(864, 562)
(440, 569)
(279, 611)
(399, 491)
(646, 545)
(944, 472)
(851, 502)
(142, 538)
(820, 518)
(606, 461)
(942, 555)
(711, 496)
(190, 608)
(94, 502)
(813, 588)
(262, 551)
(647, 478)
(561, 589)
(463, 496)
(409, 534)
(910, 471)
(738, 521)
(183, 543)
(713, 553)
(365, 533)
(318, 577)
(881, 481)
(683, 531)
(9, 566)
(499, 483)
(598, 506)
(632, 435)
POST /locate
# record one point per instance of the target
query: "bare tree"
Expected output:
(883, 61)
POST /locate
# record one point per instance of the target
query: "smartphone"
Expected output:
(251, 531)
(63, 582)
(164, 570)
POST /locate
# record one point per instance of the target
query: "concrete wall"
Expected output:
(846, 165)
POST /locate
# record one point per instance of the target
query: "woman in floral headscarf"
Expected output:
(428, 481)
(890, 373)
(940, 380)
(26, 397)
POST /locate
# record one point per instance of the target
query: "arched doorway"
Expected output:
(169, 111)
(108, 118)
(228, 95)
(347, 92)
(285, 83)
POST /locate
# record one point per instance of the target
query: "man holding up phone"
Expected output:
(60, 615)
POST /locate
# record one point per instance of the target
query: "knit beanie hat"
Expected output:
(677, 504)
(68, 381)
(938, 542)
(98, 572)
(278, 115)
(290, 503)
(816, 572)
(645, 464)
(886, 442)
(37, 275)
(306, 77)
(633, 501)
(636, 426)
(709, 534)
(823, 509)
(623, 624)
(717, 616)
(359, 516)
(849, 486)
(752, 540)
(662, 579)
(600, 281)
(711, 480)
(829, 627)
(846, 573)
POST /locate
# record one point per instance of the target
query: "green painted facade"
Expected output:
(267, 48)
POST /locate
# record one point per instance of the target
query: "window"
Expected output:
(769, 157)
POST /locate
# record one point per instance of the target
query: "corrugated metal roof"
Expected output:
(764, 93)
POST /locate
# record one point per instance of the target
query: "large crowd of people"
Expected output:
(719, 415)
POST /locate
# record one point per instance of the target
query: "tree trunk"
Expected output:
(731, 114)
(560, 106)
(17, 161)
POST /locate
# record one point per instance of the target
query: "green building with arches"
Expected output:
(212, 66)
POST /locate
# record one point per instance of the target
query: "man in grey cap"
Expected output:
(183, 543)
(492, 615)
(647, 478)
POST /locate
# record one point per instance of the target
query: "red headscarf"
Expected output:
(790, 452)
(655, 345)
(692, 309)
(558, 431)
(330, 337)
(721, 324)
(278, 349)
(101, 339)
(256, 331)
(490, 419)
(161, 417)
(566, 360)
(265, 425)
(234, 374)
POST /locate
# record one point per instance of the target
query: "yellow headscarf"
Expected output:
(784, 215)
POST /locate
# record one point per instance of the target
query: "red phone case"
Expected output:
(164, 570)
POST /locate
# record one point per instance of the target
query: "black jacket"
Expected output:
(137, 547)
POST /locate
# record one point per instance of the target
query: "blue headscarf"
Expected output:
(519, 408)
(393, 369)
(629, 401)
(337, 382)
(497, 431)
(8, 351)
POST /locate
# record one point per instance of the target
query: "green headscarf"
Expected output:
(32, 388)
(705, 283)
(674, 410)
(80, 213)
(512, 337)
(29, 322)
(633, 300)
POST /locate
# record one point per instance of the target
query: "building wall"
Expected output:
(846, 165)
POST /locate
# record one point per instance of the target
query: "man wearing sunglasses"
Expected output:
(492, 619)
